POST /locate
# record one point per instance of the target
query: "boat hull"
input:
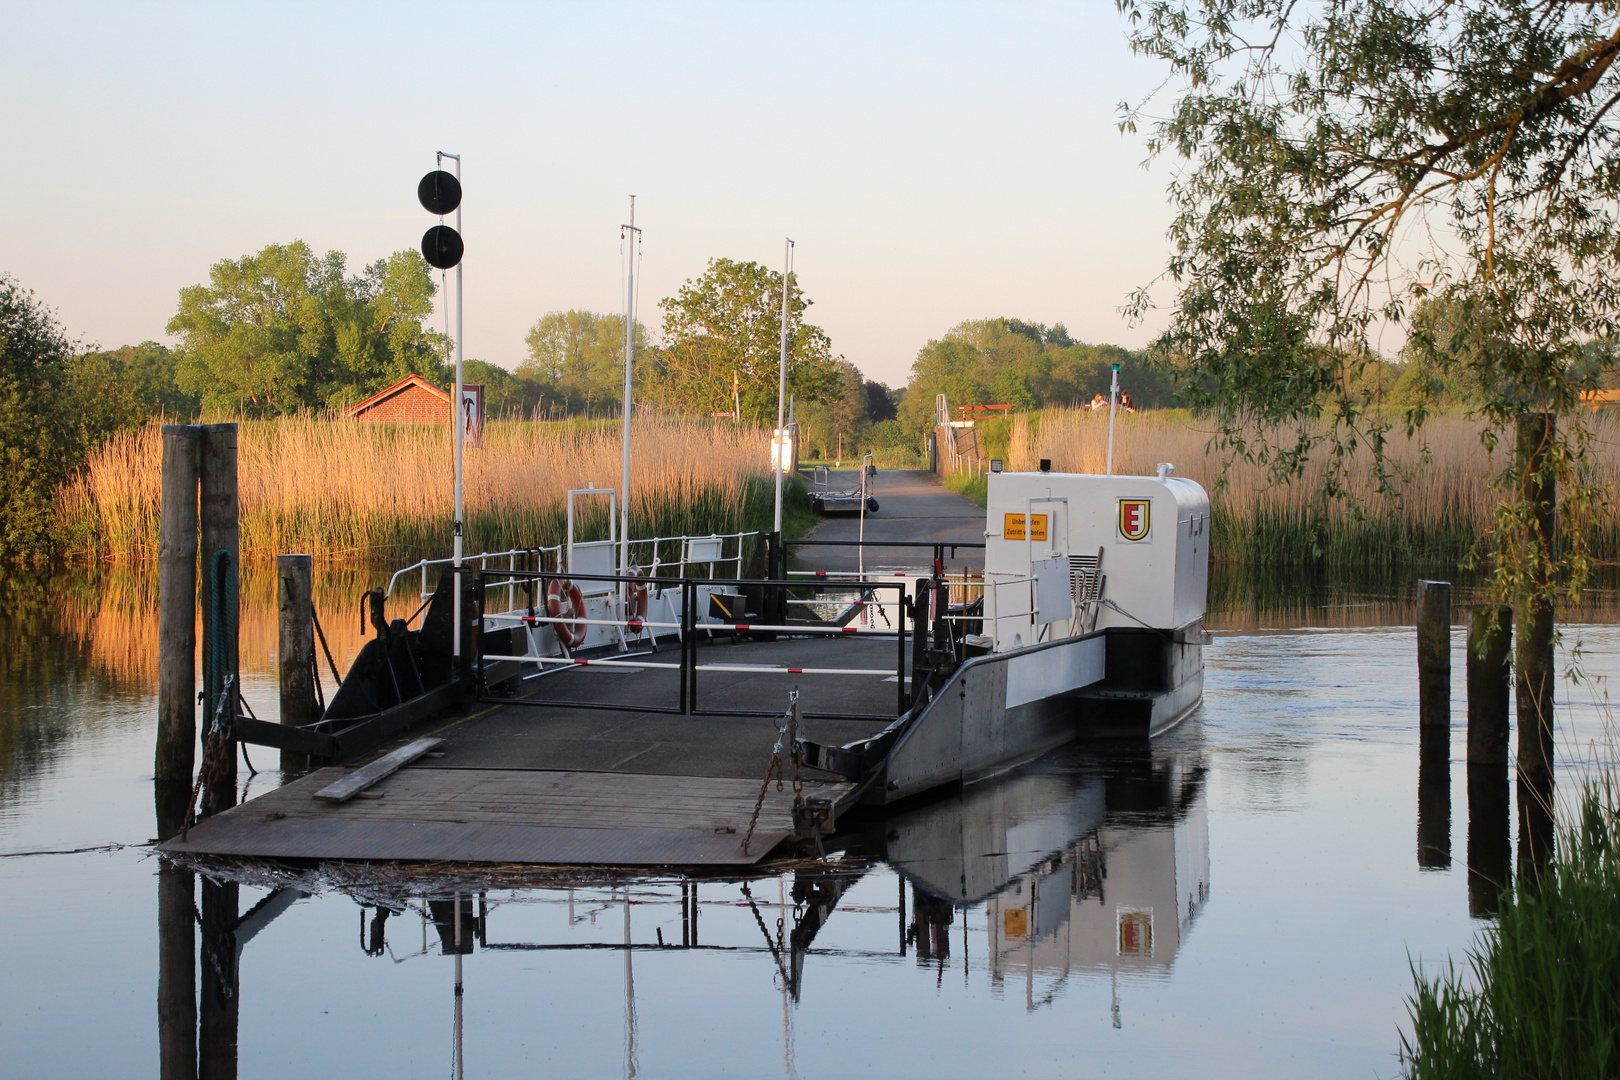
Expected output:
(1001, 709)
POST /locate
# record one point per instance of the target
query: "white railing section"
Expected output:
(482, 563)
(708, 551)
(1008, 598)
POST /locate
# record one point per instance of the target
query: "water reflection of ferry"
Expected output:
(1090, 863)
(1084, 862)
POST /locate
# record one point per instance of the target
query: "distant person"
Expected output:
(1125, 402)
(1098, 402)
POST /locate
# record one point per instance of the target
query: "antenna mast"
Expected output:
(634, 234)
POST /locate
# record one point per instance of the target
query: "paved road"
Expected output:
(912, 506)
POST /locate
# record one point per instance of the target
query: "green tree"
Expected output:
(880, 402)
(282, 330)
(722, 345)
(125, 387)
(1347, 159)
(964, 365)
(505, 394)
(40, 443)
(576, 358)
(842, 414)
(1022, 364)
(1425, 380)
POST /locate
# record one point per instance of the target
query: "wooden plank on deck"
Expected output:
(353, 783)
(434, 841)
(511, 815)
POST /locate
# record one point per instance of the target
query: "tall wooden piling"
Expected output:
(1490, 643)
(295, 651)
(1434, 653)
(1533, 667)
(175, 759)
(220, 531)
(1533, 652)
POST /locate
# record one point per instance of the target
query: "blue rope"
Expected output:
(219, 633)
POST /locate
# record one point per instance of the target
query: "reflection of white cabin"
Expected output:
(1121, 900)
(1096, 870)
(966, 849)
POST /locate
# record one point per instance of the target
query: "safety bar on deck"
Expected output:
(688, 627)
(889, 543)
(763, 669)
(637, 624)
(557, 549)
(481, 557)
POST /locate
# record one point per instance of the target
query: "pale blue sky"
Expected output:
(935, 162)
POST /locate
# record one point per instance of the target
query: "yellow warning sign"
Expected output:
(1012, 527)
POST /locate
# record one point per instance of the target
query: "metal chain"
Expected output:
(775, 767)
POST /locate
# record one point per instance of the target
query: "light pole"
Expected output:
(1113, 405)
(779, 444)
(634, 234)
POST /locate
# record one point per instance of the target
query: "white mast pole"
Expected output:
(780, 443)
(1113, 406)
(629, 359)
(457, 420)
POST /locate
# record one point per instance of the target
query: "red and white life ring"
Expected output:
(635, 599)
(564, 601)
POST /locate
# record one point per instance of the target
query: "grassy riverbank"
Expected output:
(1443, 484)
(370, 491)
(1539, 996)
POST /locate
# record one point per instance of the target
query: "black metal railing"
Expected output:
(689, 628)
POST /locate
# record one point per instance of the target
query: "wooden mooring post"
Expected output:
(175, 757)
(1490, 684)
(1490, 644)
(1434, 724)
(1534, 667)
(295, 649)
(1434, 653)
(220, 531)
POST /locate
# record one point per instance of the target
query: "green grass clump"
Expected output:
(1293, 536)
(1539, 996)
(976, 488)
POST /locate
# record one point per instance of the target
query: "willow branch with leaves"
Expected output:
(1345, 163)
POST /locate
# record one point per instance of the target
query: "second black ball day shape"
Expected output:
(439, 192)
(441, 247)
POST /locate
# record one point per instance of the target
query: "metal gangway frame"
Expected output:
(687, 628)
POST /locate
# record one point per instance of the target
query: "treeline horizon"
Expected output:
(284, 331)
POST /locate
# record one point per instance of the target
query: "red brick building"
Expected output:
(412, 400)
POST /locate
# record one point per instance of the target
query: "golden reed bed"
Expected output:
(1444, 503)
(345, 489)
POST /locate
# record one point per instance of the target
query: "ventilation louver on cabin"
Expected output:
(1085, 577)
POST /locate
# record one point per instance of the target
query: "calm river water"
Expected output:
(1243, 898)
